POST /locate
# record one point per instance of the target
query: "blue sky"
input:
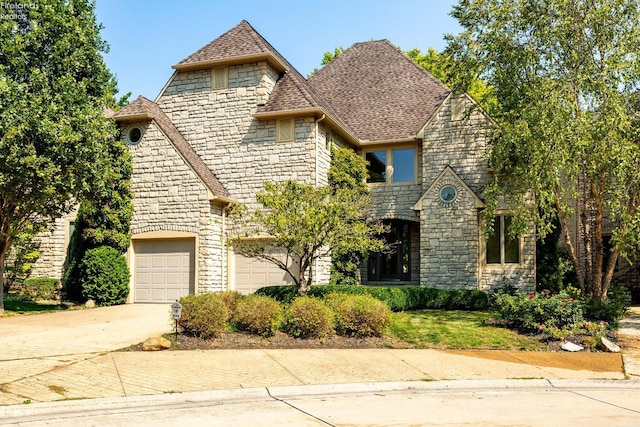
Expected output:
(147, 37)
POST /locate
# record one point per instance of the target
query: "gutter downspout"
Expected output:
(225, 265)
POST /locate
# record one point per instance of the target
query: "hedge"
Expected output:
(41, 288)
(397, 298)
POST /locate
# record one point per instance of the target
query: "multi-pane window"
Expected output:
(391, 165)
(394, 263)
(502, 248)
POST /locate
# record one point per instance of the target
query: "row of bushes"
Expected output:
(40, 288)
(209, 315)
(563, 311)
(397, 298)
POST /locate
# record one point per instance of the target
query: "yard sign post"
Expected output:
(176, 310)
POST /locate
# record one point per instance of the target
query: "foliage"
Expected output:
(566, 76)
(104, 216)
(53, 132)
(399, 298)
(203, 315)
(16, 303)
(441, 66)
(230, 300)
(20, 259)
(359, 315)
(104, 276)
(308, 317)
(554, 270)
(347, 176)
(258, 314)
(41, 288)
(611, 309)
(309, 223)
(328, 57)
(533, 312)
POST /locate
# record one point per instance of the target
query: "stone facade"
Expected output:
(231, 130)
(169, 197)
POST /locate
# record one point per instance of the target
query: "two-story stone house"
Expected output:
(236, 114)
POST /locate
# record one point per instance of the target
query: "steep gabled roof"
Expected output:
(143, 109)
(240, 44)
(379, 92)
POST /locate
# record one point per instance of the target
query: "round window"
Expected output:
(134, 135)
(448, 194)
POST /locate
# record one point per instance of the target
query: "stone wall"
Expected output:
(461, 142)
(242, 151)
(53, 246)
(168, 196)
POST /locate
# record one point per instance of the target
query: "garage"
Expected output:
(164, 269)
(252, 274)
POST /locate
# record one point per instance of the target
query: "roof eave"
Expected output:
(133, 117)
(240, 59)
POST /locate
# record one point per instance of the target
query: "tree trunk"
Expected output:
(3, 254)
(611, 266)
(567, 240)
(597, 288)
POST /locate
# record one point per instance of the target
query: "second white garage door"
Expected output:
(252, 274)
(164, 269)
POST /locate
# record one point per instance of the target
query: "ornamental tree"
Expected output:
(566, 75)
(53, 130)
(308, 223)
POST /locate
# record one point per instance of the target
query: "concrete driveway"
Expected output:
(94, 330)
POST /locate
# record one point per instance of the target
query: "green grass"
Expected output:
(456, 330)
(14, 305)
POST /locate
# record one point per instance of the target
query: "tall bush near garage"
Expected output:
(104, 276)
(104, 217)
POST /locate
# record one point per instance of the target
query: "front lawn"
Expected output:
(15, 305)
(456, 329)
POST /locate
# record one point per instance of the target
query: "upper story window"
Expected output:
(391, 165)
(285, 130)
(219, 78)
(500, 247)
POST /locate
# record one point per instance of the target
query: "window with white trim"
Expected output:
(285, 130)
(219, 78)
(391, 165)
(501, 248)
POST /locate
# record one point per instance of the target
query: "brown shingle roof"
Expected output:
(142, 108)
(379, 92)
(240, 43)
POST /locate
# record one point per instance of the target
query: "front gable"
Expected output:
(437, 194)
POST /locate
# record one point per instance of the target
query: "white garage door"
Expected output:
(252, 274)
(164, 269)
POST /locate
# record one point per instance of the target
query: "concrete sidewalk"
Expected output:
(70, 356)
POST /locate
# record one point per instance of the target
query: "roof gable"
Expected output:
(143, 109)
(379, 92)
(447, 177)
(240, 44)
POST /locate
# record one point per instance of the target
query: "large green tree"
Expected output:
(53, 84)
(566, 74)
(308, 223)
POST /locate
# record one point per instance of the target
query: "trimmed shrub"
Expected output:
(230, 300)
(308, 317)
(203, 316)
(533, 312)
(611, 309)
(104, 276)
(398, 298)
(258, 314)
(41, 288)
(359, 315)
